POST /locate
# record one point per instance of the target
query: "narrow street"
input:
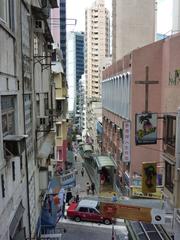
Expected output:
(88, 230)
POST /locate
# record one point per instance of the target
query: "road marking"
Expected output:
(91, 224)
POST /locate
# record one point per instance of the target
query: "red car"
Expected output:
(87, 210)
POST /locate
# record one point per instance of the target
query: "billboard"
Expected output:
(149, 174)
(146, 128)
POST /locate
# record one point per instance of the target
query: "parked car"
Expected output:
(87, 210)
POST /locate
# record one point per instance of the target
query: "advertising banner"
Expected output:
(149, 174)
(126, 141)
(146, 128)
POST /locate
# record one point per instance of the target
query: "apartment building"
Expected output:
(176, 16)
(96, 45)
(82, 104)
(60, 109)
(25, 127)
(74, 69)
(133, 25)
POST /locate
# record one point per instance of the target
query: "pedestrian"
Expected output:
(92, 187)
(75, 156)
(69, 196)
(77, 198)
(82, 172)
(114, 198)
(87, 188)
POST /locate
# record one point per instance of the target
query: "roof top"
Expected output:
(88, 203)
(14, 138)
(87, 147)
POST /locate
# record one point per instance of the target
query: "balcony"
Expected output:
(61, 93)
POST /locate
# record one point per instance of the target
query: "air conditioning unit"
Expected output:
(39, 26)
(42, 120)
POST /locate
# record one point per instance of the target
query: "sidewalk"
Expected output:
(80, 181)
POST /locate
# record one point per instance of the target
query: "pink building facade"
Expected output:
(123, 97)
(55, 24)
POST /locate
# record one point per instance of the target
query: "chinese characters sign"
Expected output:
(146, 128)
(126, 141)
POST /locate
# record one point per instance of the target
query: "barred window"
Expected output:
(8, 114)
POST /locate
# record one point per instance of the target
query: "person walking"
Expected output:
(87, 188)
(92, 187)
(114, 198)
(82, 172)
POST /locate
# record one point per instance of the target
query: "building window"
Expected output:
(171, 130)
(21, 162)
(36, 46)
(8, 114)
(170, 134)
(13, 171)
(7, 12)
(169, 176)
(58, 130)
(46, 103)
(2, 186)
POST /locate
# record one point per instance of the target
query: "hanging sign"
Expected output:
(146, 128)
(126, 141)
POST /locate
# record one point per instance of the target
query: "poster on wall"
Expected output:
(146, 128)
(149, 175)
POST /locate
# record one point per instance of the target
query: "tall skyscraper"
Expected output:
(58, 28)
(75, 68)
(176, 16)
(133, 24)
(97, 39)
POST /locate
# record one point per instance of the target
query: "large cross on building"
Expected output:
(147, 82)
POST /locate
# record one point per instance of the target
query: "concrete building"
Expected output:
(75, 68)
(62, 9)
(96, 45)
(176, 16)
(121, 80)
(58, 27)
(82, 105)
(133, 25)
(24, 126)
(60, 110)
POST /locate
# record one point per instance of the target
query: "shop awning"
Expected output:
(16, 219)
(105, 161)
(87, 147)
(47, 146)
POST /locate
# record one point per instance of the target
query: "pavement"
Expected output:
(80, 180)
(80, 188)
